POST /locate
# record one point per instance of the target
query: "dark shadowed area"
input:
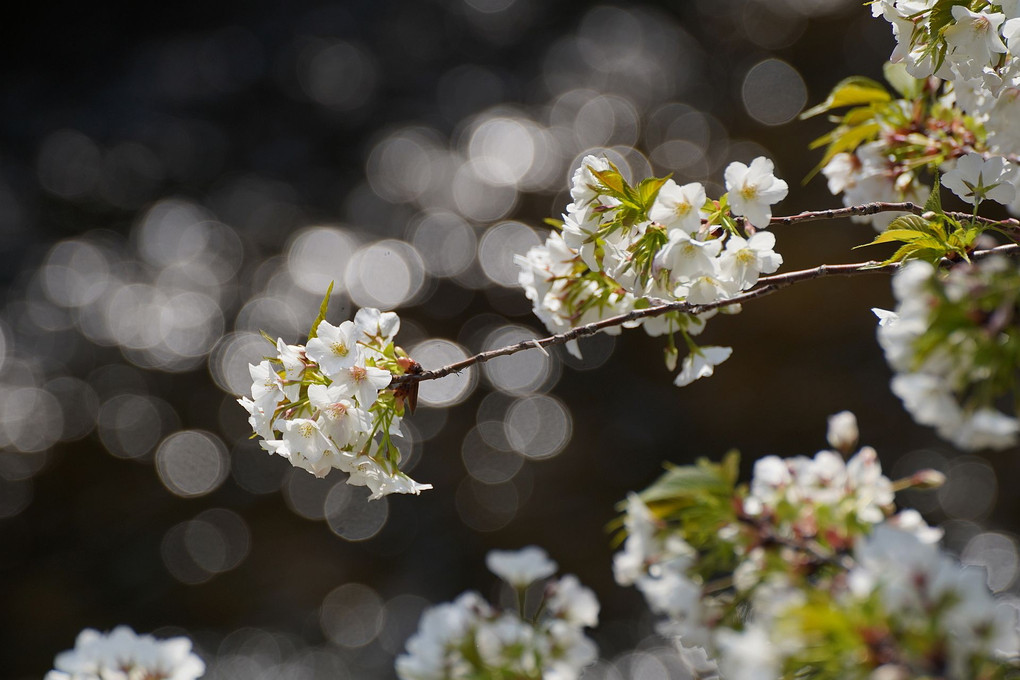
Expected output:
(176, 178)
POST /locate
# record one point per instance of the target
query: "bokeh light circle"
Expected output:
(519, 373)
(352, 516)
(385, 274)
(498, 247)
(352, 615)
(773, 92)
(451, 389)
(192, 462)
(538, 426)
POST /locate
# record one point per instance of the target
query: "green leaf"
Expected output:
(322, 312)
(890, 235)
(942, 14)
(934, 202)
(553, 222)
(843, 140)
(905, 84)
(852, 91)
(610, 179)
(649, 189)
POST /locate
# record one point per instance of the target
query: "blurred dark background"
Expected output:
(175, 178)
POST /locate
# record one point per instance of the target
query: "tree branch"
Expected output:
(766, 286)
(878, 207)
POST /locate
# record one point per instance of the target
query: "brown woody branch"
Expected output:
(766, 286)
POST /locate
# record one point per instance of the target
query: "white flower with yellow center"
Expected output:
(343, 422)
(679, 207)
(305, 446)
(746, 259)
(754, 189)
(335, 347)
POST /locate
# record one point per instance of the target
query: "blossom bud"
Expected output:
(927, 479)
(843, 434)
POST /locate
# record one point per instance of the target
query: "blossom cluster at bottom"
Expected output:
(807, 572)
(125, 655)
(468, 638)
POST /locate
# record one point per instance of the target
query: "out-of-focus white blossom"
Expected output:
(520, 568)
(933, 379)
(469, 639)
(124, 655)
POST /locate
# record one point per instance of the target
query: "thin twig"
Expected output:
(878, 207)
(766, 286)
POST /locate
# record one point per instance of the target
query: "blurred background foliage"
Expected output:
(175, 178)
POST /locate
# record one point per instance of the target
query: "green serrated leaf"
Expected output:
(912, 223)
(610, 179)
(322, 312)
(934, 202)
(890, 235)
(852, 91)
(649, 189)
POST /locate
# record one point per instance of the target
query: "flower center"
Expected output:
(306, 430)
(358, 373)
(682, 209)
(337, 410)
(339, 349)
(749, 192)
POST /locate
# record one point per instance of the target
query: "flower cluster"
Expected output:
(623, 247)
(958, 111)
(798, 570)
(955, 346)
(124, 655)
(469, 638)
(326, 405)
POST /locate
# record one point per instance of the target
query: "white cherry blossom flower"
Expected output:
(335, 347)
(972, 39)
(744, 260)
(708, 288)
(125, 654)
(266, 387)
(701, 364)
(580, 236)
(584, 184)
(974, 179)
(260, 421)
(293, 360)
(341, 420)
(362, 382)
(686, 257)
(375, 324)
(380, 480)
(753, 189)
(679, 207)
(304, 443)
(520, 568)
